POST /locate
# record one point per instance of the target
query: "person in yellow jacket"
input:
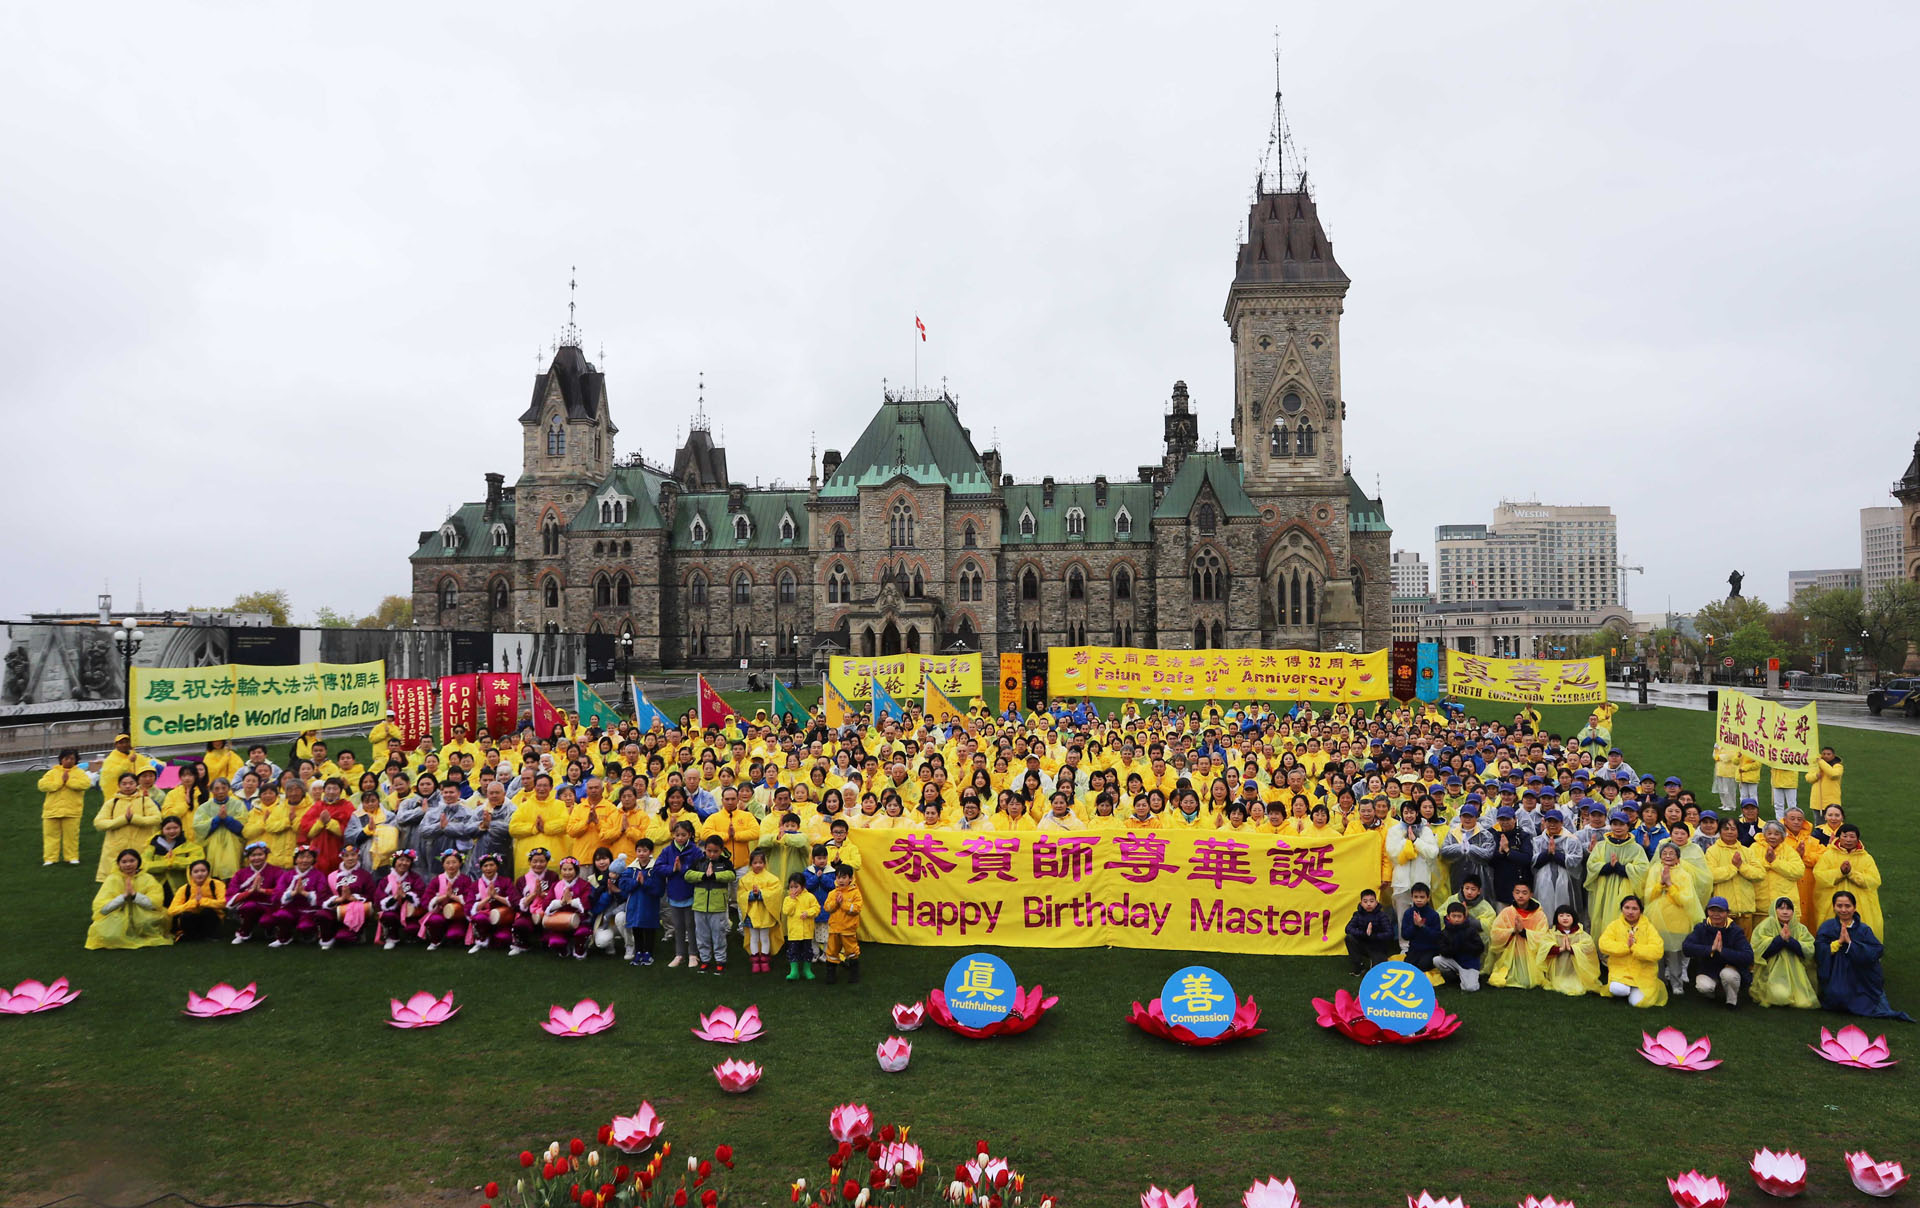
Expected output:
(199, 906)
(758, 895)
(128, 821)
(1672, 904)
(1846, 865)
(1515, 930)
(130, 911)
(583, 824)
(65, 786)
(1802, 838)
(1633, 950)
(221, 761)
(622, 827)
(386, 730)
(799, 910)
(1823, 779)
(183, 799)
(843, 907)
(734, 826)
(1783, 961)
(271, 821)
(1780, 865)
(1564, 958)
(1734, 875)
(121, 760)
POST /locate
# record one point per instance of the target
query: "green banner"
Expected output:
(589, 709)
(175, 704)
(786, 704)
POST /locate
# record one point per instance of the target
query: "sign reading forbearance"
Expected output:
(237, 701)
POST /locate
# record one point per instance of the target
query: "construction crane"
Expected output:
(1638, 570)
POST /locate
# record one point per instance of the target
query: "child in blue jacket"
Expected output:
(819, 879)
(644, 883)
(1420, 928)
(673, 861)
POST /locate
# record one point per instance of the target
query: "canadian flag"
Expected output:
(923, 328)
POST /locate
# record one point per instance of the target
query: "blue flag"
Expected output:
(1426, 683)
(645, 714)
(883, 702)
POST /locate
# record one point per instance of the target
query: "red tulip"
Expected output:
(723, 1154)
(526, 1158)
(605, 1134)
(492, 1189)
(573, 1193)
(680, 1198)
(620, 1173)
(980, 1147)
(709, 1197)
(546, 1171)
(842, 1152)
(887, 1132)
(576, 1147)
(706, 1169)
(873, 1148)
(606, 1189)
(909, 1177)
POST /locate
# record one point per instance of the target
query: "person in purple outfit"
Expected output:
(253, 895)
(530, 893)
(301, 892)
(489, 908)
(447, 894)
(568, 918)
(401, 900)
(347, 912)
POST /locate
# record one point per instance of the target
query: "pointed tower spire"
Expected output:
(570, 334)
(1280, 158)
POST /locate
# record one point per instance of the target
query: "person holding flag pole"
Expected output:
(645, 714)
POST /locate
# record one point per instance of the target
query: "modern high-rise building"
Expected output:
(1799, 581)
(1531, 551)
(1410, 577)
(1882, 553)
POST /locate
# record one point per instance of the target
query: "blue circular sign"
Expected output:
(1398, 997)
(980, 990)
(1200, 1000)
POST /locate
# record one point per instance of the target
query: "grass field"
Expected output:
(312, 1096)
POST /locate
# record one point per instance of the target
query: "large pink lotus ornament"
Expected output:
(909, 1016)
(1875, 1178)
(584, 1018)
(1153, 1021)
(1851, 1047)
(722, 1026)
(635, 1133)
(1271, 1193)
(1672, 1049)
(1547, 1202)
(223, 1000)
(737, 1077)
(902, 1160)
(1426, 1199)
(851, 1123)
(894, 1053)
(30, 996)
(1696, 1190)
(1155, 1197)
(421, 1010)
(1346, 1016)
(1780, 1174)
(1028, 1007)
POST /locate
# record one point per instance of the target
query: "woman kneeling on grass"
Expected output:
(1851, 979)
(200, 906)
(1634, 951)
(129, 910)
(1783, 959)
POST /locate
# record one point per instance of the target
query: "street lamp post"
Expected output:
(626, 655)
(127, 637)
(766, 652)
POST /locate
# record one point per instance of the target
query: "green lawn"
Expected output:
(312, 1096)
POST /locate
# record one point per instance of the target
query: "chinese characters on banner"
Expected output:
(1281, 676)
(1405, 674)
(904, 675)
(459, 704)
(235, 701)
(1012, 682)
(1527, 681)
(500, 702)
(412, 703)
(1770, 732)
(1214, 891)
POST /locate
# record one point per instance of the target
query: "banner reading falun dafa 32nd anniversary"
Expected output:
(237, 701)
(1198, 890)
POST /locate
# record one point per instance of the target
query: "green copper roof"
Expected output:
(472, 534)
(1216, 471)
(1135, 499)
(923, 441)
(1364, 515)
(763, 510)
(641, 484)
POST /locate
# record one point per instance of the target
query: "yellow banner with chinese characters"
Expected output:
(1262, 675)
(904, 675)
(176, 704)
(1186, 890)
(1769, 731)
(1527, 681)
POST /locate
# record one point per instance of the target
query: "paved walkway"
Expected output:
(1836, 709)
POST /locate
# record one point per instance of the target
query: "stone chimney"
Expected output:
(494, 483)
(736, 497)
(1099, 490)
(829, 463)
(990, 463)
(1046, 491)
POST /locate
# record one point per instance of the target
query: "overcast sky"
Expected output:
(273, 278)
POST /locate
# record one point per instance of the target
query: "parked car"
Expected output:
(1900, 694)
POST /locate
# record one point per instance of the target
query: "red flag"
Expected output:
(922, 327)
(459, 699)
(714, 710)
(500, 702)
(412, 703)
(546, 718)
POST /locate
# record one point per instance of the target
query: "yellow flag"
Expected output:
(939, 708)
(834, 705)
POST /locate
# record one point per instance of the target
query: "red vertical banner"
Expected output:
(546, 718)
(500, 701)
(714, 709)
(1403, 670)
(459, 704)
(412, 703)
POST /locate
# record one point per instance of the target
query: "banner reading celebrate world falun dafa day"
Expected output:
(1187, 890)
(1263, 675)
(237, 701)
(905, 675)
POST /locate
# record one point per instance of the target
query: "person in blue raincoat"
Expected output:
(1848, 953)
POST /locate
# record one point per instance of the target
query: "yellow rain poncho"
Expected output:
(1734, 881)
(129, 914)
(1862, 880)
(1514, 933)
(128, 822)
(1633, 953)
(1672, 902)
(1786, 978)
(1565, 962)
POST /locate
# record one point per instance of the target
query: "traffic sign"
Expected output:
(1727, 662)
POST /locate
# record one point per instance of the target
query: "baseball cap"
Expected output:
(1620, 816)
(1673, 780)
(1505, 811)
(1717, 901)
(1553, 816)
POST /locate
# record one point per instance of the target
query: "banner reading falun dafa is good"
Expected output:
(237, 701)
(904, 675)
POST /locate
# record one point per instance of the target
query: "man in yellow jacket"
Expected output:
(121, 760)
(66, 788)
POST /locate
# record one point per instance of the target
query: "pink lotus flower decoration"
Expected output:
(1672, 1049)
(1549, 1202)
(1875, 1178)
(1851, 1047)
(223, 1000)
(724, 1027)
(1345, 1015)
(635, 1133)
(985, 1171)
(1153, 1021)
(851, 1123)
(1155, 1197)
(1696, 1190)
(909, 1016)
(894, 1053)
(737, 1077)
(1780, 1174)
(1028, 1007)
(422, 1010)
(1426, 1199)
(584, 1018)
(30, 996)
(1271, 1193)
(900, 1157)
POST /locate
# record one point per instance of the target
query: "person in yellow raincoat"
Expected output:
(128, 820)
(1726, 777)
(1802, 838)
(758, 892)
(199, 906)
(65, 786)
(1515, 930)
(221, 761)
(736, 827)
(121, 760)
(1564, 957)
(1846, 865)
(798, 910)
(1780, 865)
(130, 909)
(1616, 867)
(539, 820)
(1634, 950)
(221, 824)
(1823, 779)
(1735, 873)
(270, 821)
(1672, 904)
(1783, 968)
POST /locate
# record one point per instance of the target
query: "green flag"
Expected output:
(589, 709)
(785, 703)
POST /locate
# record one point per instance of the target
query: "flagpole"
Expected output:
(916, 352)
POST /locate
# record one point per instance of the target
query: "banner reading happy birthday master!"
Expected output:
(1770, 732)
(904, 675)
(1527, 681)
(1265, 675)
(1206, 891)
(235, 701)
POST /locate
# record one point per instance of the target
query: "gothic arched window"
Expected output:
(786, 587)
(697, 589)
(1076, 585)
(900, 528)
(1076, 522)
(1280, 446)
(1123, 584)
(1303, 439)
(623, 589)
(556, 437)
(1029, 585)
(1205, 518)
(551, 594)
(550, 536)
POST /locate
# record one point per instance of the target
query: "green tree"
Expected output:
(1724, 617)
(1751, 646)
(394, 612)
(327, 618)
(273, 603)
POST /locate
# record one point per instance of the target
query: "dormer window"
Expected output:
(1076, 522)
(498, 536)
(742, 528)
(787, 528)
(697, 531)
(1123, 523)
(1027, 525)
(449, 538)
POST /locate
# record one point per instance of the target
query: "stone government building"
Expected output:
(916, 539)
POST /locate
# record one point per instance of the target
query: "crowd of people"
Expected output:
(1505, 851)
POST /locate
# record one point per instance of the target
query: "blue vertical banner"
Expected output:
(1427, 686)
